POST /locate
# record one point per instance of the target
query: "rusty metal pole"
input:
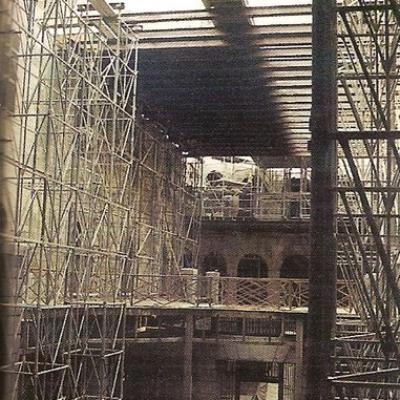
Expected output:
(322, 301)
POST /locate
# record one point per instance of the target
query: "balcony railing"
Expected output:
(231, 292)
(225, 203)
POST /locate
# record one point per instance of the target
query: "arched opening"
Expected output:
(214, 262)
(295, 267)
(252, 266)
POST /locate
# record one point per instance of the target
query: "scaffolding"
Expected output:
(168, 211)
(368, 189)
(93, 195)
(244, 191)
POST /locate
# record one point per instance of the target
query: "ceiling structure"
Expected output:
(229, 79)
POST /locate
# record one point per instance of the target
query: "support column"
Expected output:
(322, 294)
(187, 358)
(237, 386)
(299, 383)
(214, 286)
(190, 279)
(281, 380)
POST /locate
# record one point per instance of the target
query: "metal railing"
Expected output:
(282, 206)
(232, 292)
(226, 203)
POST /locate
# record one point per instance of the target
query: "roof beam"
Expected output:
(201, 15)
(177, 33)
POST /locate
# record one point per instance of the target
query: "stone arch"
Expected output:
(295, 267)
(214, 261)
(252, 266)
